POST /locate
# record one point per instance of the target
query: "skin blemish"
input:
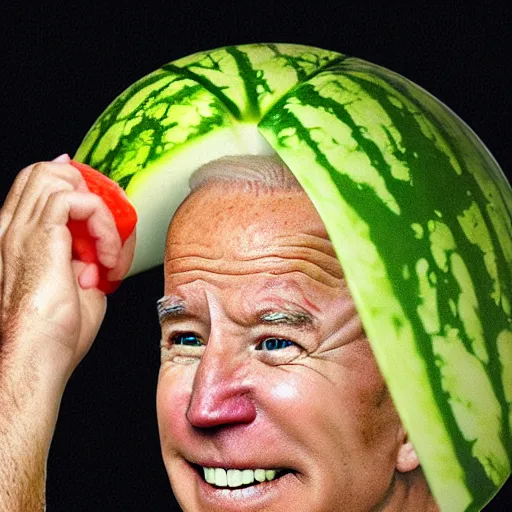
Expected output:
(278, 291)
(381, 395)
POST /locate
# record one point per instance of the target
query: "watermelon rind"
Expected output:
(418, 211)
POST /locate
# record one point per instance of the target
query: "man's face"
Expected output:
(265, 364)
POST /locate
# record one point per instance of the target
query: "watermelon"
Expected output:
(125, 218)
(418, 210)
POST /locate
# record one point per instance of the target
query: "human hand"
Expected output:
(50, 308)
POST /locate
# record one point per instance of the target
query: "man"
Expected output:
(269, 397)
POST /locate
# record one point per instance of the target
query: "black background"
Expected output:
(63, 64)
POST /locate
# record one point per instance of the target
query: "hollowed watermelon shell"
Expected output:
(417, 208)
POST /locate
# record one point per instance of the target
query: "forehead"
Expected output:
(214, 215)
(227, 231)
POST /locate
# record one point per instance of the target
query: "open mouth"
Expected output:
(225, 478)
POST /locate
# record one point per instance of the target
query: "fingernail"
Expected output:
(62, 159)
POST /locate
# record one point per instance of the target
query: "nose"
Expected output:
(221, 393)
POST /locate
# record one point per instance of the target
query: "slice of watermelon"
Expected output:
(125, 217)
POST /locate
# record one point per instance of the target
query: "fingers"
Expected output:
(125, 259)
(65, 205)
(91, 276)
(44, 293)
(45, 180)
(47, 195)
(62, 159)
(32, 187)
(88, 276)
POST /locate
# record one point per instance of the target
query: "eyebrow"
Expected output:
(169, 307)
(295, 318)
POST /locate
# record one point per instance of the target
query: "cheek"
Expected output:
(307, 409)
(377, 418)
(347, 403)
(354, 399)
(172, 400)
(376, 421)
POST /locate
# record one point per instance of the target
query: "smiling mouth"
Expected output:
(223, 478)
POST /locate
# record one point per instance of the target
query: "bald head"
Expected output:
(248, 173)
(237, 205)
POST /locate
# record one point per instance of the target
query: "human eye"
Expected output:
(188, 339)
(270, 344)
(181, 347)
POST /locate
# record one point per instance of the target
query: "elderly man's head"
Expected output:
(269, 397)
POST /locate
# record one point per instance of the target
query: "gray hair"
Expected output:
(248, 173)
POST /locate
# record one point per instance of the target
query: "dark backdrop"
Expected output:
(62, 65)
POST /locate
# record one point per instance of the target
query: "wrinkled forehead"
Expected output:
(229, 231)
(219, 210)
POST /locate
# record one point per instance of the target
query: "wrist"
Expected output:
(44, 353)
(32, 381)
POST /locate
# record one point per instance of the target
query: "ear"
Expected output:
(406, 459)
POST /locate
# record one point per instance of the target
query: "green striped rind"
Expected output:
(188, 112)
(193, 96)
(155, 116)
(251, 78)
(419, 214)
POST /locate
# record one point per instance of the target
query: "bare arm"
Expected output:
(50, 313)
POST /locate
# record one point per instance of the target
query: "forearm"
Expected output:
(22, 468)
(29, 404)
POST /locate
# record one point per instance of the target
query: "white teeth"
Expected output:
(221, 477)
(234, 478)
(209, 475)
(270, 474)
(259, 475)
(247, 476)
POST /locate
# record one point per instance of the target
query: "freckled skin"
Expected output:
(319, 407)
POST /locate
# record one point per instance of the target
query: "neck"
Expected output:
(409, 492)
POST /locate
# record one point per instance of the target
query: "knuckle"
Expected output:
(40, 168)
(72, 175)
(24, 173)
(51, 180)
(56, 198)
(39, 178)
(55, 203)
(52, 172)
(55, 185)
(22, 177)
(97, 202)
